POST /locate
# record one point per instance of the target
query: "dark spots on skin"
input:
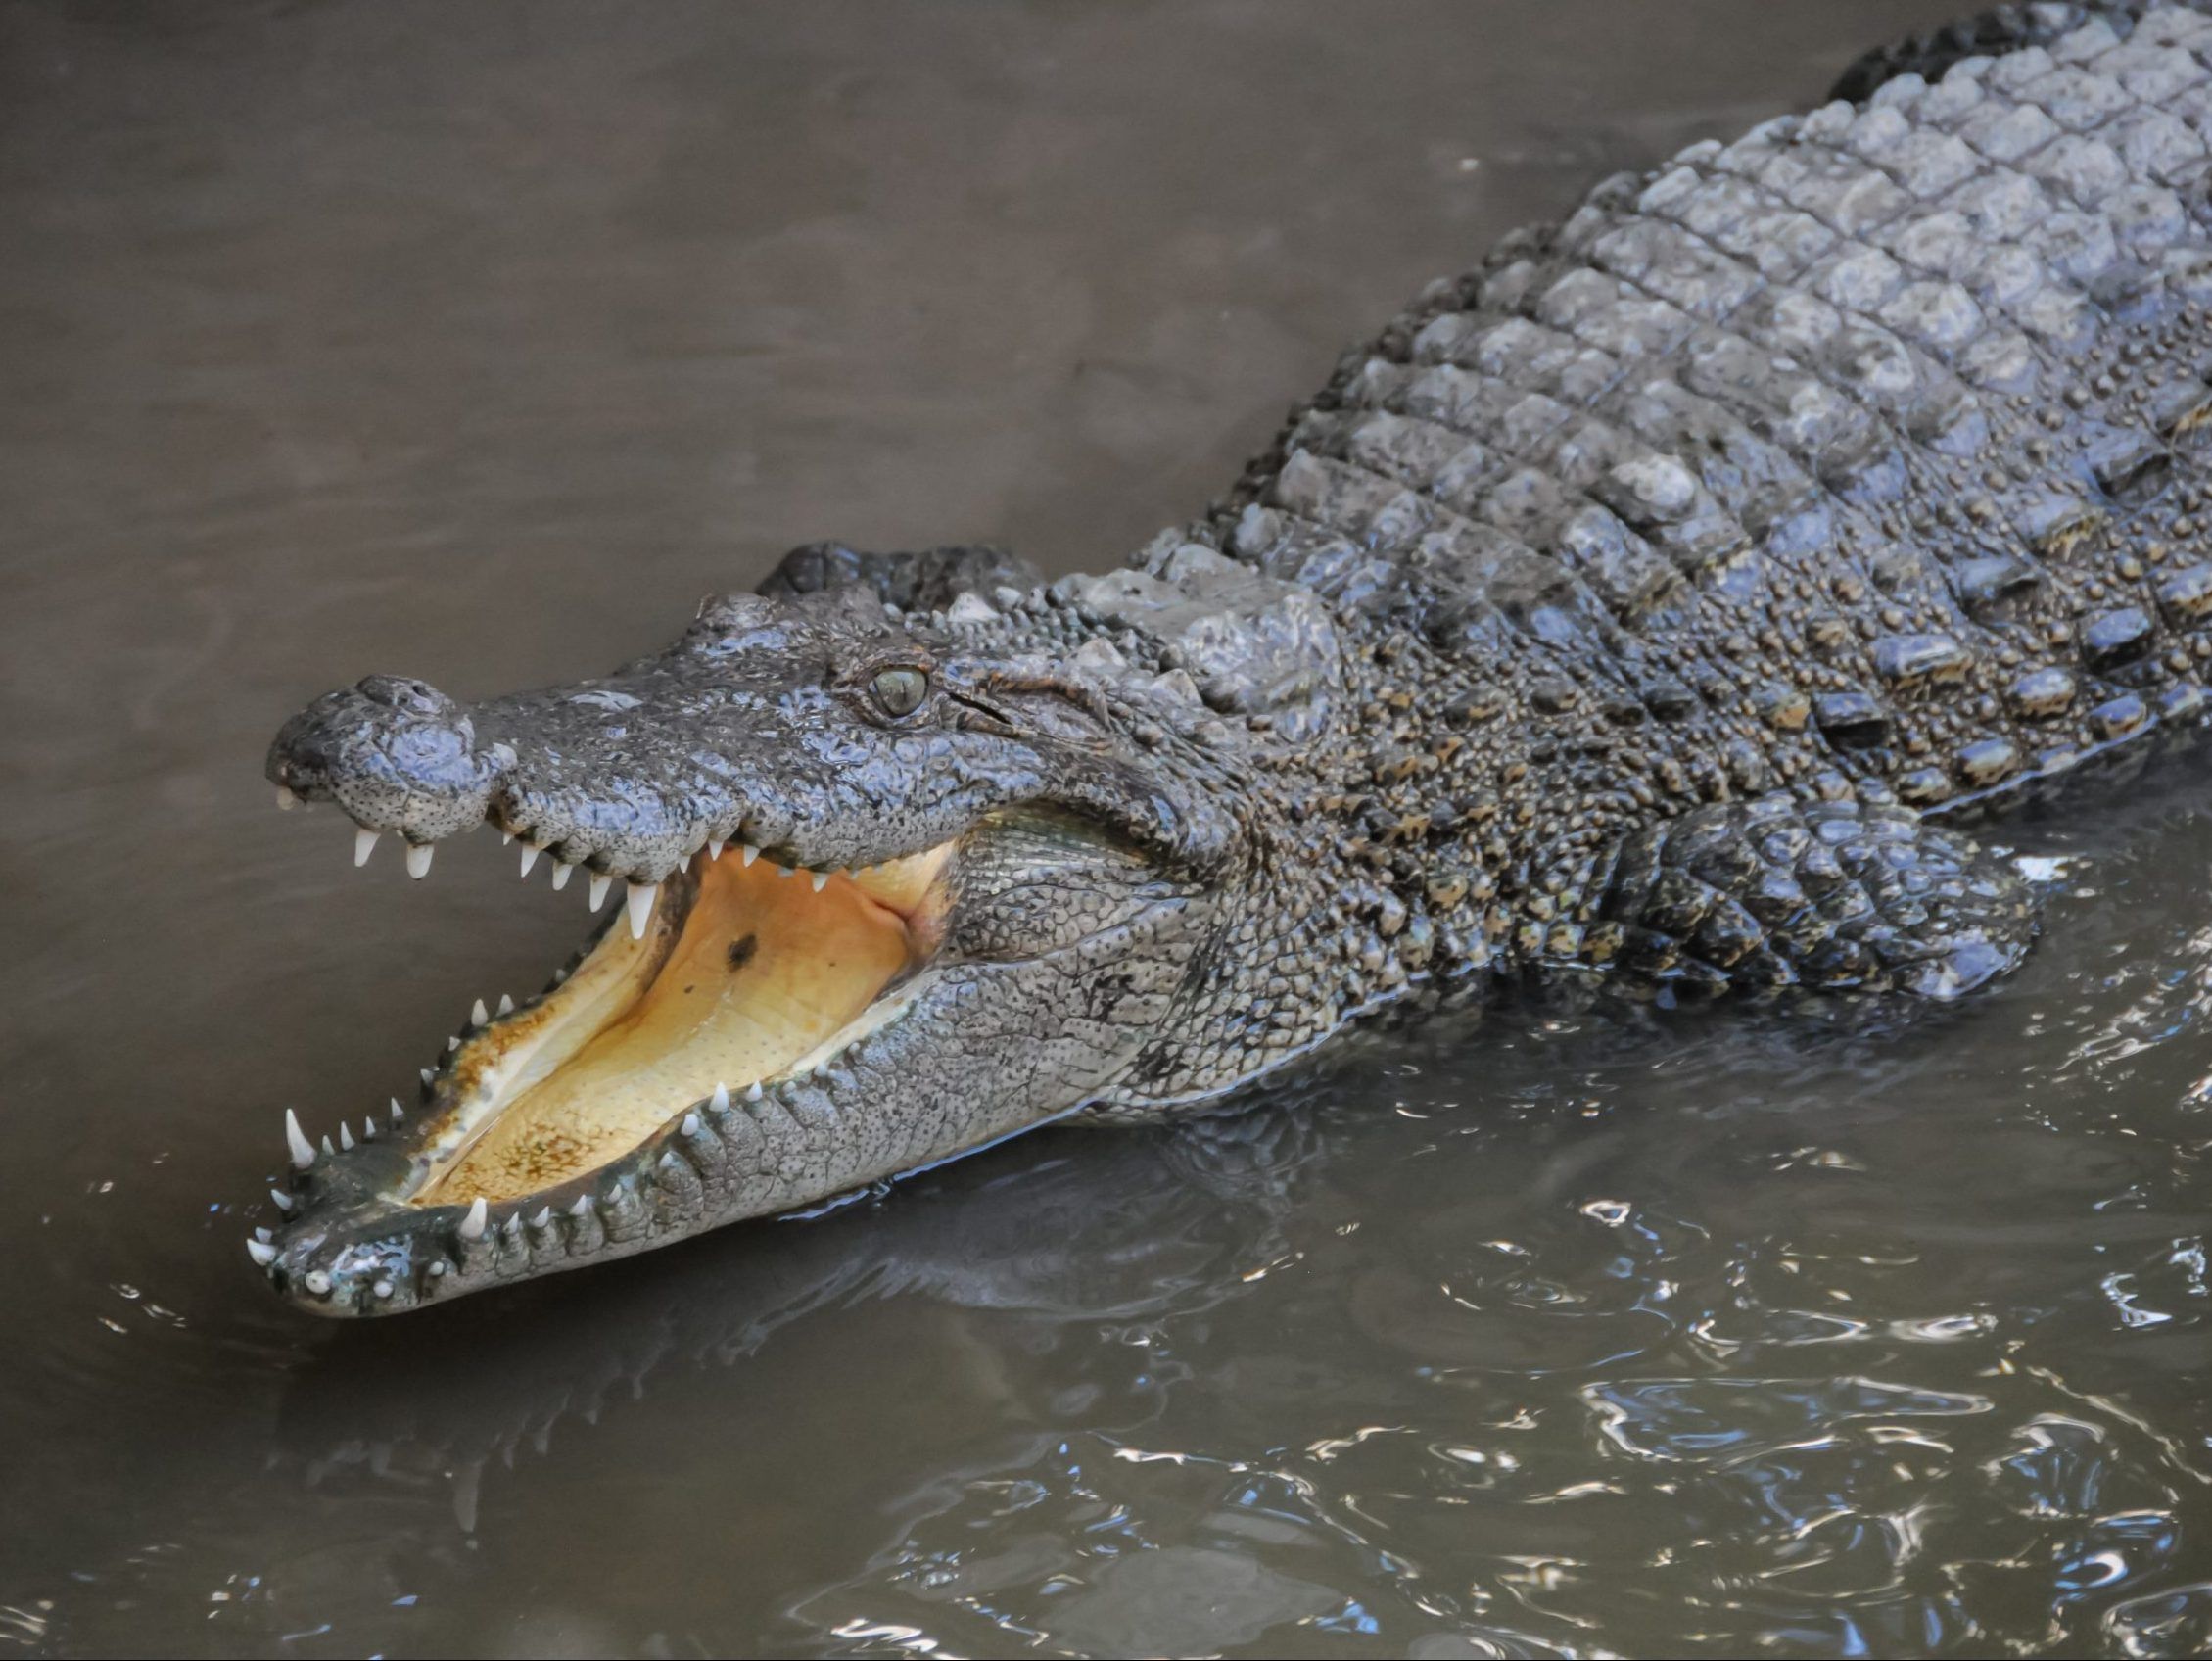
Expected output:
(1913, 662)
(1476, 704)
(1986, 761)
(1985, 584)
(1104, 993)
(2119, 717)
(2132, 471)
(1852, 719)
(1924, 787)
(741, 952)
(1552, 694)
(2041, 693)
(1669, 698)
(2116, 638)
(2186, 598)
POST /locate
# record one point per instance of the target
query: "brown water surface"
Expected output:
(476, 342)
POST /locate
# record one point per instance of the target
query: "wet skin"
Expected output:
(1647, 603)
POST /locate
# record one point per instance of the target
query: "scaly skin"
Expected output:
(2006, 27)
(1633, 605)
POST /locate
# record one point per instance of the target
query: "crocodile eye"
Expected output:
(900, 691)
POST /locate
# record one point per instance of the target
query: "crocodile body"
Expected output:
(1649, 604)
(1860, 460)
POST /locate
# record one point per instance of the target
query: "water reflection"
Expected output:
(1032, 1243)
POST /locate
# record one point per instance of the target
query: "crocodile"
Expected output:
(1660, 604)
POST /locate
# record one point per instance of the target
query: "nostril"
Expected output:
(406, 694)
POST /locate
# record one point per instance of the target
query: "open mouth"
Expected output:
(697, 1016)
(740, 975)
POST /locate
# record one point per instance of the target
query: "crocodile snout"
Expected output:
(411, 697)
(394, 752)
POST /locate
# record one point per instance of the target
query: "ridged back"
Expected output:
(1882, 429)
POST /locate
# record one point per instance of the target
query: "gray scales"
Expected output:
(1649, 605)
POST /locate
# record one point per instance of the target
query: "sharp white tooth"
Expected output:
(477, 1015)
(784, 870)
(714, 847)
(821, 880)
(690, 1125)
(640, 899)
(545, 1216)
(600, 883)
(506, 836)
(296, 1142)
(345, 1136)
(398, 1111)
(364, 844)
(284, 1201)
(428, 1075)
(507, 1004)
(418, 859)
(561, 872)
(286, 801)
(580, 1206)
(262, 1252)
(437, 1268)
(720, 1100)
(528, 858)
(478, 1219)
(749, 853)
(453, 1041)
(317, 1281)
(368, 1128)
(265, 1235)
(328, 1151)
(382, 1288)
(753, 1091)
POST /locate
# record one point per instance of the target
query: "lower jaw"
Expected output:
(361, 1250)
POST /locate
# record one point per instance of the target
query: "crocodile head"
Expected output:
(892, 887)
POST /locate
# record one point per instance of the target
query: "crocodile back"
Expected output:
(1873, 443)
(2004, 27)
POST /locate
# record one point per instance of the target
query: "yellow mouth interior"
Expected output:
(756, 974)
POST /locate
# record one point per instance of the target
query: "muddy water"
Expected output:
(476, 343)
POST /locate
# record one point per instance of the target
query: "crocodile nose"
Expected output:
(408, 695)
(396, 752)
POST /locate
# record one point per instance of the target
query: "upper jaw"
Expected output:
(737, 734)
(562, 773)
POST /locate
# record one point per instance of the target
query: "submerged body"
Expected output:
(1646, 603)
